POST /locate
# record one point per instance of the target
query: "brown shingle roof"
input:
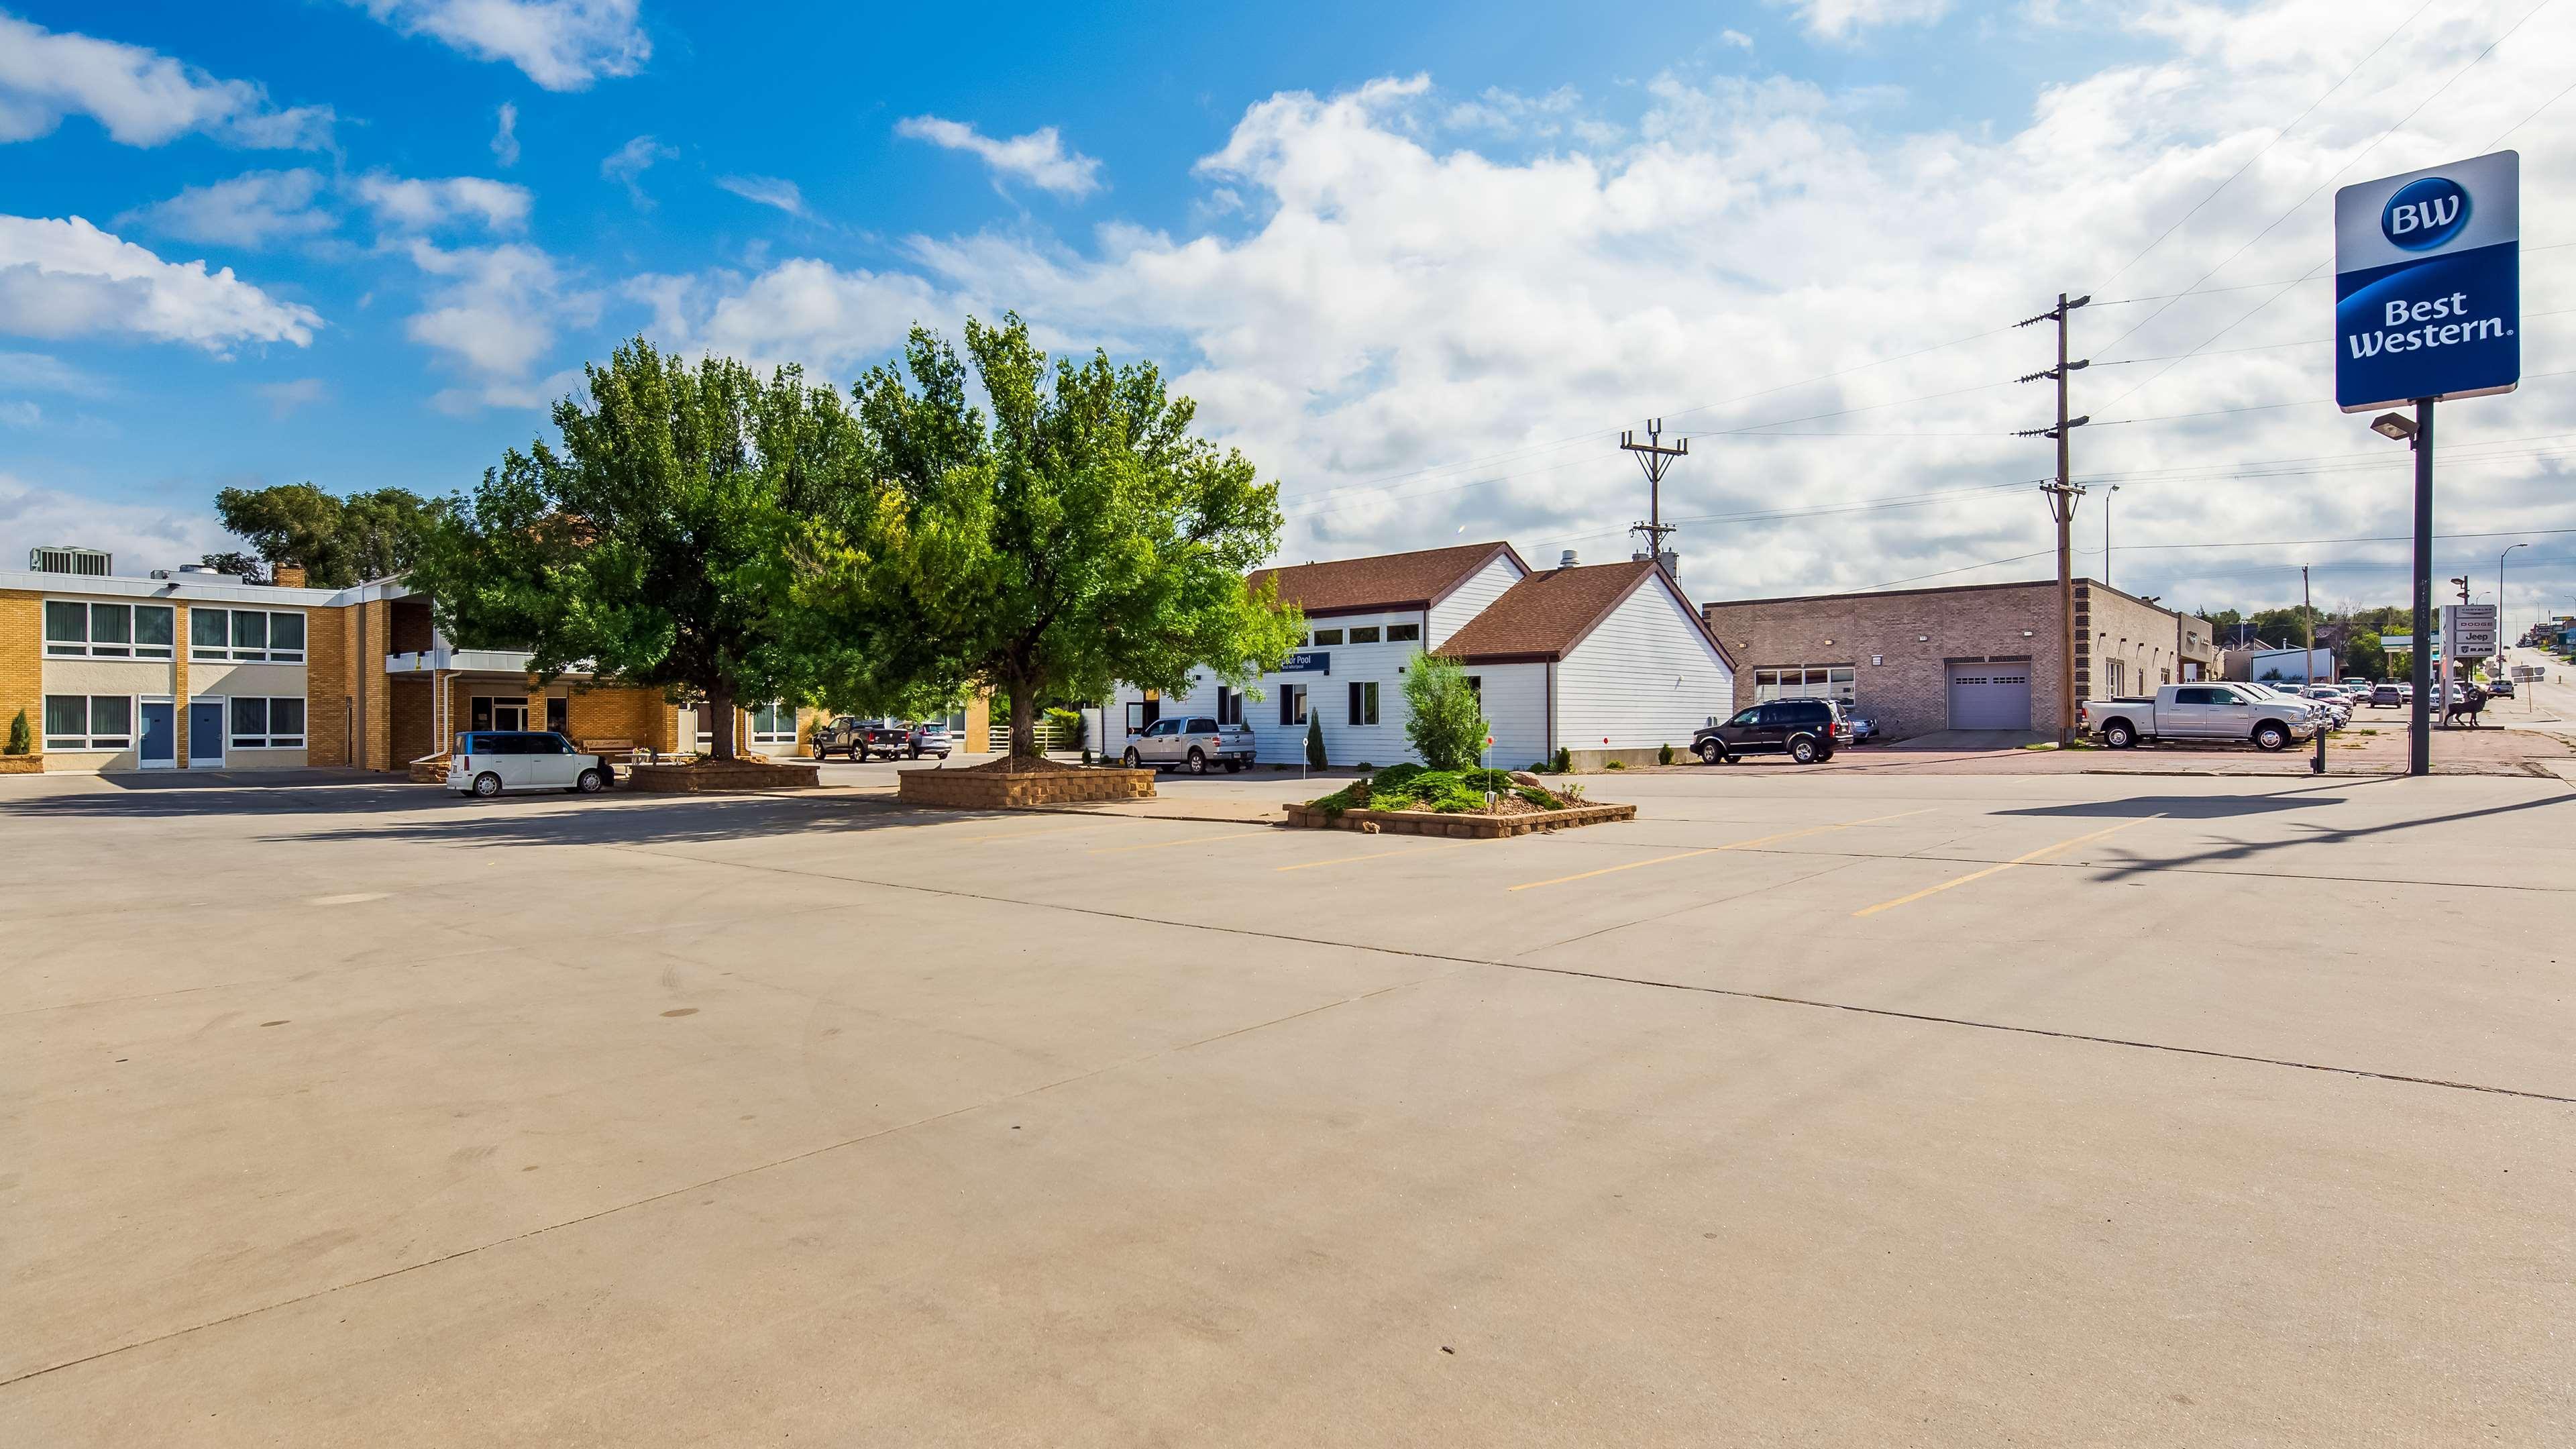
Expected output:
(1389, 581)
(1545, 615)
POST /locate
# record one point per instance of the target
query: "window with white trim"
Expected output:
(1403, 633)
(773, 724)
(245, 636)
(1813, 681)
(1324, 637)
(89, 721)
(107, 631)
(266, 723)
(1364, 634)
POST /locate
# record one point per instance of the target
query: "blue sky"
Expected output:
(1421, 265)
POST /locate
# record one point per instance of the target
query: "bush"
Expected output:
(1448, 792)
(1447, 724)
(20, 742)
(1620, 765)
(1314, 741)
(1664, 755)
(1067, 726)
(1563, 763)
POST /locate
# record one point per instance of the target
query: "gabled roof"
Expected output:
(1545, 615)
(1389, 581)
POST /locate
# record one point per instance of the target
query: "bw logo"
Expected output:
(2424, 214)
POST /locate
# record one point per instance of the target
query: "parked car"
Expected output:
(1862, 730)
(1806, 730)
(930, 739)
(2226, 712)
(1196, 742)
(861, 739)
(2501, 686)
(2333, 699)
(2389, 695)
(487, 762)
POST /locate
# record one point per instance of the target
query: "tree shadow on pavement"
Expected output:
(2316, 834)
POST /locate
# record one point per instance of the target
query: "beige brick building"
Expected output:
(1985, 656)
(190, 669)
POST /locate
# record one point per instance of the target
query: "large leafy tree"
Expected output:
(668, 540)
(337, 540)
(1080, 536)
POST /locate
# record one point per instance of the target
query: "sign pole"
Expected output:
(2419, 745)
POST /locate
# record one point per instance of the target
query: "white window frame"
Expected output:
(88, 647)
(270, 737)
(771, 736)
(266, 653)
(89, 739)
(1839, 682)
(1322, 642)
(1375, 634)
(1404, 633)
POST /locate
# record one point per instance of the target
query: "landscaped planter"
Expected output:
(710, 777)
(1458, 826)
(987, 789)
(22, 764)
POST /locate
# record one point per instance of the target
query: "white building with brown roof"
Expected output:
(1606, 661)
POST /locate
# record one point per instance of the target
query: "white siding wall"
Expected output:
(1326, 694)
(1648, 676)
(1515, 699)
(1472, 598)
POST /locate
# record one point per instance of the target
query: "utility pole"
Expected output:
(1654, 457)
(2106, 531)
(2061, 505)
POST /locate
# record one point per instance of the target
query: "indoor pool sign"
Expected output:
(2428, 284)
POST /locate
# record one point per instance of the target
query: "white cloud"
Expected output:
(39, 372)
(254, 209)
(142, 536)
(562, 45)
(493, 312)
(768, 191)
(1417, 337)
(141, 97)
(403, 203)
(1844, 20)
(20, 413)
(66, 278)
(1736, 38)
(627, 164)
(505, 139)
(1038, 158)
(285, 397)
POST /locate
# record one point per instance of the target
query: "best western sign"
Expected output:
(2428, 284)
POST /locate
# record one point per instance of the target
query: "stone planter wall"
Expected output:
(992, 790)
(705, 779)
(1460, 827)
(1588, 762)
(22, 764)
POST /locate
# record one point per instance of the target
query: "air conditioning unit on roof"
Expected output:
(96, 563)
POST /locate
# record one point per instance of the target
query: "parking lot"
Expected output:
(1813, 1106)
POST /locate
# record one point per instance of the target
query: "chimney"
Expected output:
(288, 576)
(1566, 560)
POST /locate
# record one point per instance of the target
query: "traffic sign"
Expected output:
(2428, 284)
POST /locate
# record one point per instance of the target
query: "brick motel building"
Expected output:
(1977, 657)
(191, 669)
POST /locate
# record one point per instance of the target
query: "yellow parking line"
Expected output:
(1994, 869)
(1714, 849)
(1379, 854)
(1193, 840)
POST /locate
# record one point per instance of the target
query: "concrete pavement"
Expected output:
(1854, 1109)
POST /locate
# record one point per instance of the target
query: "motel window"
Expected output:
(1229, 705)
(773, 724)
(89, 721)
(261, 723)
(1814, 681)
(107, 631)
(1364, 702)
(1366, 635)
(1327, 636)
(1403, 633)
(1292, 704)
(247, 636)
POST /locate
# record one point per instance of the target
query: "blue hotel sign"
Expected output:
(2428, 284)
(1318, 661)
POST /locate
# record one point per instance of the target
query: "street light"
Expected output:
(2396, 426)
(2417, 434)
(2500, 655)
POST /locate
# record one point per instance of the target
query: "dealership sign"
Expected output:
(2470, 629)
(2428, 284)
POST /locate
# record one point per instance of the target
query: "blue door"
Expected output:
(205, 734)
(160, 736)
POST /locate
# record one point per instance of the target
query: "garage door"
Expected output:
(1990, 696)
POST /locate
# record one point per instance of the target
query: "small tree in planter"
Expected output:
(20, 741)
(1314, 740)
(1447, 727)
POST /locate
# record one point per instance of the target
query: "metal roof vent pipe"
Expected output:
(1566, 559)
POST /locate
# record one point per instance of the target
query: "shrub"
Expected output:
(20, 742)
(1447, 724)
(1664, 755)
(1363, 765)
(1564, 762)
(1066, 725)
(1616, 765)
(1314, 741)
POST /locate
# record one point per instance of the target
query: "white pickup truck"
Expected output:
(2230, 713)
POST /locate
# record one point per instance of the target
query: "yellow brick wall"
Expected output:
(619, 712)
(22, 664)
(330, 682)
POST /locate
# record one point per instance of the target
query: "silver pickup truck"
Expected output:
(1193, 743)
(2216, 712)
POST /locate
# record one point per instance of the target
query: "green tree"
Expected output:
(20, 741)
(2365, 658)
(1080, 537)
(668, 541)
(1446, 720)
(337, 541)
(1315, 740)
(248, 567)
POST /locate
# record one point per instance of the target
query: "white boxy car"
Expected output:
(487, 762)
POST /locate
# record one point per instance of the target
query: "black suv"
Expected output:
(1806, 730)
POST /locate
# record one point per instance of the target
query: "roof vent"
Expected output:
(96, 563)
(1566, 560)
